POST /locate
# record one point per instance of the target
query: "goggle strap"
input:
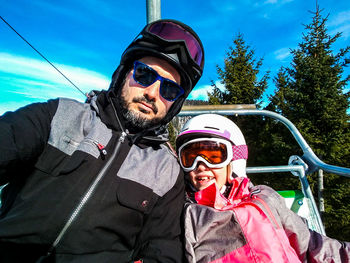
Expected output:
(239, 152)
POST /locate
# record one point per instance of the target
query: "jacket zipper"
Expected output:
(267, 208)
(87, 195)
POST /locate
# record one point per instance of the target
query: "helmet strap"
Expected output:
(229, 176)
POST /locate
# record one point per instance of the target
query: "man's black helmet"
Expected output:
(172, 41)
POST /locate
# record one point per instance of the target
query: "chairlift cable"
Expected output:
(42, 55)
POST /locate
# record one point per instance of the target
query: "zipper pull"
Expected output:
(123, 135)
(101, 148)
(254, 192)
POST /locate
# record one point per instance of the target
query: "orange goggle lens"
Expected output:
(213, 152)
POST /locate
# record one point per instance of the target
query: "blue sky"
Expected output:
(85, 39)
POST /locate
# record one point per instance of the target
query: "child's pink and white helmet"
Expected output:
(213, 127)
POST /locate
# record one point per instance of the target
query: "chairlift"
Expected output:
(301, 202)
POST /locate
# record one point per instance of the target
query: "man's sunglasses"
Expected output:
(146, 76)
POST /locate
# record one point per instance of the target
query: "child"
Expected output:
(227, 219)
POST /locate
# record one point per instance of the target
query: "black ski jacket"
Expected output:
(78, 188)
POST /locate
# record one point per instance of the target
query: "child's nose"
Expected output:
(201, 166)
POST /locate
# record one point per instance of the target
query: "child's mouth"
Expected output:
(204, 180)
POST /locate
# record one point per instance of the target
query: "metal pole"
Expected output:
(320, 192)
(153, 10)
(304, 186)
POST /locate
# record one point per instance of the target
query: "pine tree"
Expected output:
(216, 96)
(311, 93)
(239, 76)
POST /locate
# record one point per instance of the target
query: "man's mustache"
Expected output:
(148, 101)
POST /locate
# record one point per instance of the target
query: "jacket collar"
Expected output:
(212, 197)
(102, 104)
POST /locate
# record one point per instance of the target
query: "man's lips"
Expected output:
(146, 106)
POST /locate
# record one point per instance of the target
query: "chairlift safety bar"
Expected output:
(305, 188)
(309, 156)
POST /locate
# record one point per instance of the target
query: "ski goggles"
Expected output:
(146, 76)
(168, 30)
(214, 152)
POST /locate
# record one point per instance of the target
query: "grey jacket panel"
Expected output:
(142, 168)
(210, 234)
(80, 130)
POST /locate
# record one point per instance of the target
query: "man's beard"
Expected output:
(137, 120)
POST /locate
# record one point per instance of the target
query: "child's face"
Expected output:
(203, 176)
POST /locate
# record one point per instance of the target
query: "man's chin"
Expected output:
(138, 118)
(147, 113)
(141, 120)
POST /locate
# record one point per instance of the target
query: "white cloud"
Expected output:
(26, 80)
(266, 16)
(282, 53)
(33, 73)
(277, 1)
(201, 92)
(271, 2)
(340, 18)
(345, 30)
(340, 23)
(224, 7)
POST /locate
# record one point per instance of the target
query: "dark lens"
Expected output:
(144, 75)
(170, 90)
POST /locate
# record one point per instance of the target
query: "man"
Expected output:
(96, 182)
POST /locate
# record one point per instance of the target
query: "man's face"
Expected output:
(145, 106)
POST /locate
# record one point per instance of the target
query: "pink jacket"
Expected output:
(252, 225)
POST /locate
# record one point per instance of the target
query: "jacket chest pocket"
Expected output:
(54, 162)
(135, 196)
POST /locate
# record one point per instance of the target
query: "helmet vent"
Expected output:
(213, 128)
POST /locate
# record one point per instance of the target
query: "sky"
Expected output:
(84, 39)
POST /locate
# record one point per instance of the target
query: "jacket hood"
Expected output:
(172, 41)
(101, 102)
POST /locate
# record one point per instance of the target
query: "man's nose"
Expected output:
(152, 91)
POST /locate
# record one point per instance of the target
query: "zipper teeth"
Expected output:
(116, 115)
(268, 210)
(88, 193)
